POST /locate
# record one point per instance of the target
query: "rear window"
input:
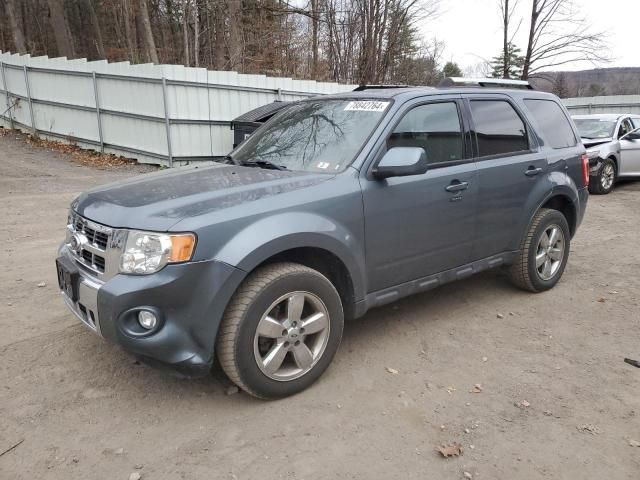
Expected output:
(553, 123)
(499, 129)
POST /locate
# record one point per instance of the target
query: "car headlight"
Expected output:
(148, 252)
(593, 154)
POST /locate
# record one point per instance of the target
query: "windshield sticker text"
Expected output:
(366, 106)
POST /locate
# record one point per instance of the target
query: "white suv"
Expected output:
(612, 141)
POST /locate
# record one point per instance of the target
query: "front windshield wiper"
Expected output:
(263, 164)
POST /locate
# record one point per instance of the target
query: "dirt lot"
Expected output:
(557, 401)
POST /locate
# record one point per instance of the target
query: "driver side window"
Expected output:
(434, 127)
(625, 127)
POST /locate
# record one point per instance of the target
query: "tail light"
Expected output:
(585, 170)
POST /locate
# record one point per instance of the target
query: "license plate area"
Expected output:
(68, 278)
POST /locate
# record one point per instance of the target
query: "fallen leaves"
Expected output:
(589, 428)
(82, 156)
(477, 388)
(392, 371)
(454, 449)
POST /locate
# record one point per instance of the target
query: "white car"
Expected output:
(612, 141)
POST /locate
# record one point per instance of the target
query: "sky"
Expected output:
(472, 31)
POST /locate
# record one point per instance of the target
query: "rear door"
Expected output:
(509, 168)
(422, 224)
(630, 151)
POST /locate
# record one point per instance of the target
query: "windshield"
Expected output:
(593, 128)
(316, 136)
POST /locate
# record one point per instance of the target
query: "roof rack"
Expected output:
(360, 88)
(484, 82)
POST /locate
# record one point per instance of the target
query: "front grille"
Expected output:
(90, 255)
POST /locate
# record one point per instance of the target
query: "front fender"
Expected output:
(275, 234)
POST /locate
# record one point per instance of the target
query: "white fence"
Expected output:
(162, 114)
(603, 104)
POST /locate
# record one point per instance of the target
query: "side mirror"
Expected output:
(401, 162)
(633, 135)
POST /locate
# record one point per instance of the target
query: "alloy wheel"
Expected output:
(291, 336)
(550, 252)
(607, 176)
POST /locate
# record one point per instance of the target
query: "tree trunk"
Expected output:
(505, 40)
(60, 27)
(315, 22)
(235, 34)
(532, 30)
(16, 28)
(196, 34)
(185, 32)
(95, 23)
(149, 42)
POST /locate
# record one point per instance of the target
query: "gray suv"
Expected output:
(336, 205)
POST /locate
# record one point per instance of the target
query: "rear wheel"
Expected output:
(280, 331)
(602, 183)
(543, 253)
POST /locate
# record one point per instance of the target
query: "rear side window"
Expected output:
(499, 129)
(434, 127)
(553, 123)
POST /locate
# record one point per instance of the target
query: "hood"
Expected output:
(593, 142)
(159, 200)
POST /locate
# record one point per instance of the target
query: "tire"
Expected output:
(603, 182)
(526, 272)
(272, 298)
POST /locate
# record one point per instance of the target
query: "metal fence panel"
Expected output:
(603, 104)
(163, 114)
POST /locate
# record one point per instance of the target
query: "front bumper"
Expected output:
(190, 298)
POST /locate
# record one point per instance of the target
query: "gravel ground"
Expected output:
(556, 399)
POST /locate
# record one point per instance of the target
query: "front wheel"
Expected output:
(543, 253)
(280, 331)
(602, 183)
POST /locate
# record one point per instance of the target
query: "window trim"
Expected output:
(533, 145)
(466, 154)
(568, 119)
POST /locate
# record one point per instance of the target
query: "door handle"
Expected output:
(531, 171)
(456, 186)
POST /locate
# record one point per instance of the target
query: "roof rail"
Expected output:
(484, 82)
(360, 88)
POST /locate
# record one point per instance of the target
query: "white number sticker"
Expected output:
(366, 106)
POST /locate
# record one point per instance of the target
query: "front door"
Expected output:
(630, 153)
(423, 224)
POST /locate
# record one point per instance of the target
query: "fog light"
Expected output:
(147, 319)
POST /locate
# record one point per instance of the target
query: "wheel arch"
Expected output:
(564, 205)
(328, 264)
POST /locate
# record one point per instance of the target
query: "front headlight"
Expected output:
(147, 252)
(593, 154)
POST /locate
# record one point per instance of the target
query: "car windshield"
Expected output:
(317, 135)
(593, 128)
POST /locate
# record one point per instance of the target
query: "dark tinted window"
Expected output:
(499, 129)
(434, 127)
(554, 124)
